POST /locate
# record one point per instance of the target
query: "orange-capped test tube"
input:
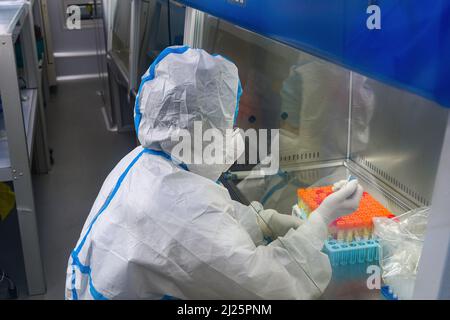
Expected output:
(340, 226)
(349, 230)
(359, 227)
(368, 228)
(332, 230)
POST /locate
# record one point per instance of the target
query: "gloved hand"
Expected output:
(274, 224)
(338, 185)
(342, 202)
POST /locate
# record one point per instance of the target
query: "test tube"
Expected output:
(332, 230)
(367, 231)
(349, 229)
(358, 229)
(340, 226)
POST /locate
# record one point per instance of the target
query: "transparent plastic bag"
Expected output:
(401, 242)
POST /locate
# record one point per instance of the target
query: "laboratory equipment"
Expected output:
(347, 100)
(352, 252)
(49, 65)
(137, 32)
(351, 237)
(356, 225)
(24, 122)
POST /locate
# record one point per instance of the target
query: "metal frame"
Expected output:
(20, 138)
(117, 71)
(433, 278)
(42, 155)
(134, 45)
(108, 17)
(49, 59)
(193, 27)
(117, 78)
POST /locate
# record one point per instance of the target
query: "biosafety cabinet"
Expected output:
(355, 87)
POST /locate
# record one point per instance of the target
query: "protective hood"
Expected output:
(184, 94)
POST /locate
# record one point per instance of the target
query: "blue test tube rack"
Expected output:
(348, 253)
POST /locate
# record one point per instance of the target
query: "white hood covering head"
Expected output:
(181, 87)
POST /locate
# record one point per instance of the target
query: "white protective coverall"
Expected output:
(162, 230)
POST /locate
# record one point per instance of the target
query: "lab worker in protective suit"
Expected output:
(164, 229)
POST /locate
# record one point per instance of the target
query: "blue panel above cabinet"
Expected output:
(410, 51)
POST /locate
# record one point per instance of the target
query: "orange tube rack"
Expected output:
(356, 225)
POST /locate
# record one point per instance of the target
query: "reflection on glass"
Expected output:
(303, 96)
(161, 26)
(121, 32)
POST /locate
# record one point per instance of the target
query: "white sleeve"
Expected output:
(304, 246)
(292, 267)
(246, 217)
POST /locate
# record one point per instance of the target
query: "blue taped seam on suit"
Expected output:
(85, 270)
(236, 113)
(108, 200)
(168, 157)
(74, 291)
(75, 260)
(117, 187)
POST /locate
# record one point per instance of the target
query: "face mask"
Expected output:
(232, 152)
